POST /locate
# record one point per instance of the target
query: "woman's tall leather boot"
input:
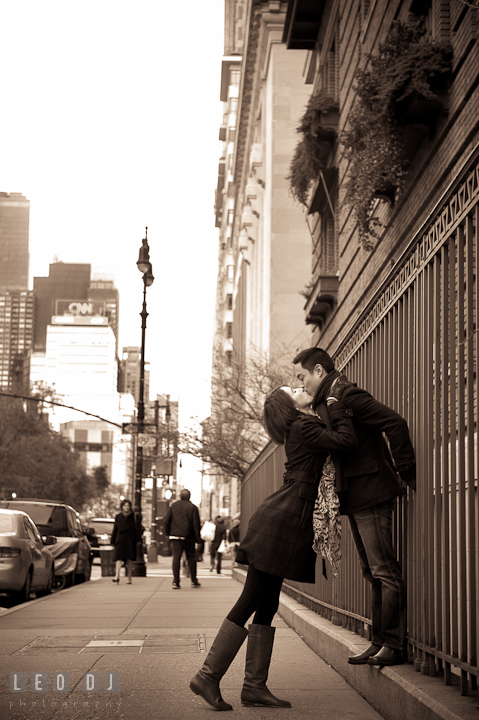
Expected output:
(225, 647)
(258, 659)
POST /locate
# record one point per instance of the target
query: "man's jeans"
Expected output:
(177, 547)
(372, 533)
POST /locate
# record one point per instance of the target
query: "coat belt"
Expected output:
(299, 476)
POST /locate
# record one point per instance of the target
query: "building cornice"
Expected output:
(270, 12)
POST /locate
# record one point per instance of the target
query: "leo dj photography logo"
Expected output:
(60, 682)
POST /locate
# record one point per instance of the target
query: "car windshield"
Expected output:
(7, 524)
(102, 526)
(49, 519)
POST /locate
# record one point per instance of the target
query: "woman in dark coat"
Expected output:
(277, 545)
(220, 534)
(123, 538)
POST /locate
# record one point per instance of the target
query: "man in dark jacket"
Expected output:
(369, 480)
(182, 526)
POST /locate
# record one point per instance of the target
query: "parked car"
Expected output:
(72, 551)
(26, 563)
(101, 537)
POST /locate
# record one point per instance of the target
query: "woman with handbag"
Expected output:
(220, 537)
(278, 544)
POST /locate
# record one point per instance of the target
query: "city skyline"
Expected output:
(104, 143)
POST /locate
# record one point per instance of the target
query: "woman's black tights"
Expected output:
(260, 596)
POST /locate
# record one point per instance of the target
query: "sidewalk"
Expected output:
(155, 638)
(398, 693)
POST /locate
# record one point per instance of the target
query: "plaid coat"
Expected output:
(279, 538)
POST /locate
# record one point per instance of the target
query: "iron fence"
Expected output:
(415, 349)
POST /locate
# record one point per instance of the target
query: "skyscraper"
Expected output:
(16, 301)
(16, 336)
(130, 368)
(69, 289)
(14, 229)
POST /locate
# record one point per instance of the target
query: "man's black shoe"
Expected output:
(196, 584)
(363, 657)
(176, 586)
(387, 656)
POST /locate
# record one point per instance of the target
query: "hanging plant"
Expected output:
(376, 143)
(317, 129)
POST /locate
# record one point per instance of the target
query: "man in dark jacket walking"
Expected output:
(182, 526)
(369, 480)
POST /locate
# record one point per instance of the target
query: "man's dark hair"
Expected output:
(279, 414)
(314, 356)
(185, 495)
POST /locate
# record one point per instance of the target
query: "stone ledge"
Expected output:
(397, 693)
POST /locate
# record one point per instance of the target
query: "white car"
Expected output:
(26, 563)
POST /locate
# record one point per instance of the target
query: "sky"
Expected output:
(109, 123)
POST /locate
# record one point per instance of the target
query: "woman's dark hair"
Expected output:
(279, 414)
(125, 502)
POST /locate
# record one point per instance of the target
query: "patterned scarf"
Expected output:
(327, 519)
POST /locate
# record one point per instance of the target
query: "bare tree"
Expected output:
(233, 435)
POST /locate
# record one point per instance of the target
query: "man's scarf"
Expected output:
(320, 406)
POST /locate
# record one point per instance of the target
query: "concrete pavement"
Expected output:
(152, 639)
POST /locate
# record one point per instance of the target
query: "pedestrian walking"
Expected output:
(370, 480)
(182, 525)
(277, 545)
(220, 536)
(123, 539)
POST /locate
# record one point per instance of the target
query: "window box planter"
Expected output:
(318, 130)
(420, 110)
(395, 111)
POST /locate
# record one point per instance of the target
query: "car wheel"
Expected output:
(59, 582)
(48, 589)
(24, 594)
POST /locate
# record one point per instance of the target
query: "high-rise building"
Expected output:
(16, 301)
(16, 338)
(70, 290)
(129, 375)
(65, 281)
(14, 230)
(103, 291)
(264, 247)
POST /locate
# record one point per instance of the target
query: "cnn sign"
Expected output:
(79, 308)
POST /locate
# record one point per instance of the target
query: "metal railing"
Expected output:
(415, 349)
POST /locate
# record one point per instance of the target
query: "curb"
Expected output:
(396, 693)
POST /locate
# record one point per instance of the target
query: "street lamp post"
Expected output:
(144, 266)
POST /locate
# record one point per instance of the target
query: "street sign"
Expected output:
(146, 440)
(132, 428)
(161, 466)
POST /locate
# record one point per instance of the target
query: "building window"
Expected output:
(230, 272)
(231, 134)
(231, 214)
(229, 330)
(229, 301)
(233, 104)
(235, 76)
(229, 357)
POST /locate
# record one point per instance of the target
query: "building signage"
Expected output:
(79, 308)
(79, 320)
